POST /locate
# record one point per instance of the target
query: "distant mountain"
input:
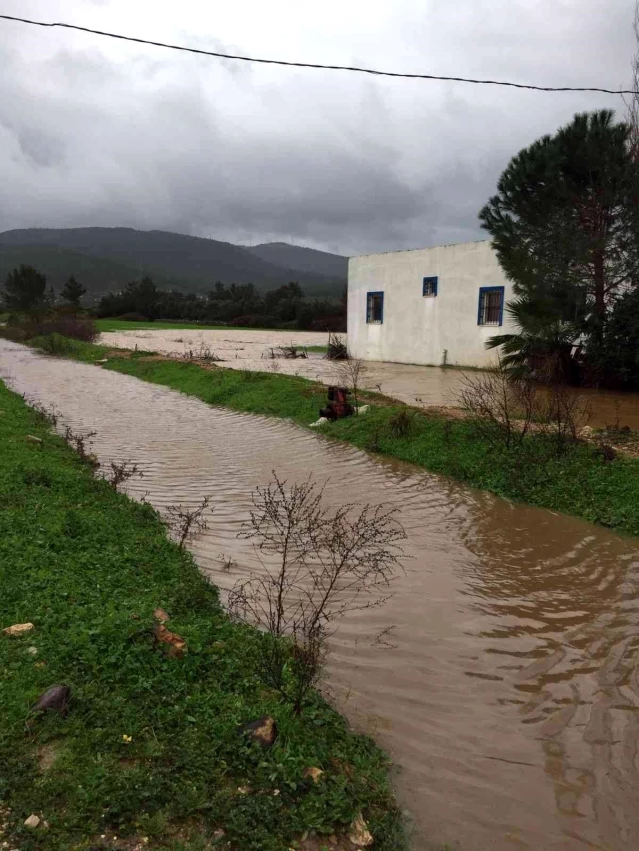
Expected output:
(187, 263)
(305, 259)
(97, 274)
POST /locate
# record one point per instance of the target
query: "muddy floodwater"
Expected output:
(509, 697)
(423, 386)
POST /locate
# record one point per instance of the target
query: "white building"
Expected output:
(430, 306)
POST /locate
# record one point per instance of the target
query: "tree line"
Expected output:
(237, 304)
(26, 291)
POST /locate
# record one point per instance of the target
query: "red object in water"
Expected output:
(338, 404)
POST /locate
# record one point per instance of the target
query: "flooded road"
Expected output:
(422, 386)
(510, 699)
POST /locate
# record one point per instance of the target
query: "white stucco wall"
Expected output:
(418, 329)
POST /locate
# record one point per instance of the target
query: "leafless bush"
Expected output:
(351, 373)
(227, 563)
(292, 352)
(204, 353)
(80, 441)
(561, 414)
(185, 523)
(336, 349)
(402, 423)
(505, 411)
(324, 564)
(46, 415)
(121, 473)
(500, 408)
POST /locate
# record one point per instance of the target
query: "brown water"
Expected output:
(423, 386)
(510, 701)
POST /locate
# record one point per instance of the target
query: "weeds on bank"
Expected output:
(151, 745)
(186, 523)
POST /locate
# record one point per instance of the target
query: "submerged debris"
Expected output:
(336, 349)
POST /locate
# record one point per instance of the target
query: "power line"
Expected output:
(323, 67)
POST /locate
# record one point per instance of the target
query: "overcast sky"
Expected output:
(99, 132)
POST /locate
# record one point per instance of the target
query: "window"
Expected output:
(491, 306)
(375, 308)
(430, 286)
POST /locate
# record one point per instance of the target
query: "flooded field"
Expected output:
(423, 386)
(509, 698)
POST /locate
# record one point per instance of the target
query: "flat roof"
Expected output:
(424, 248)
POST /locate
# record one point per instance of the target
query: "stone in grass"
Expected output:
(313, 773)
(55, 698)
(359, 834)
(33, 821)
(161, 616)
(263, 731)
(175, 645)
(18, 629)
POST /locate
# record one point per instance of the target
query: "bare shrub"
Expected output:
(185, 523)
(227, 563)
(292, 352)
(336, 349)
(321, 565)
(203, 353)
(561, 414)
(505, 411)
(122, 472)
(45, 415)
(80, 441)
(402, 423)
(350, 374)
(501, 409)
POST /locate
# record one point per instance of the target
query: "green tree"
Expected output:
(565, 224)
(25, 289)
(617, 358)
(72, 292)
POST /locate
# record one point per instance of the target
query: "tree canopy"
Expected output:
(25, 289)
(565, 226)
(72, 292)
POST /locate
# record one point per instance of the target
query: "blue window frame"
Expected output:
(490, 310)
(375, 308)
(430, 286)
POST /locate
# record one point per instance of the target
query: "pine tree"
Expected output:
(72, 292)
(565, 223)
(25, 289)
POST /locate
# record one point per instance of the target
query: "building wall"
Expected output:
(418, 329)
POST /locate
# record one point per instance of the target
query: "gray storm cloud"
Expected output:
(103, 134)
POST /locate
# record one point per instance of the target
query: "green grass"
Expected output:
(580, 483)
(87, 566)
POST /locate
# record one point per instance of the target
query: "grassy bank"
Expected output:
(581, 482)
(150, 751)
